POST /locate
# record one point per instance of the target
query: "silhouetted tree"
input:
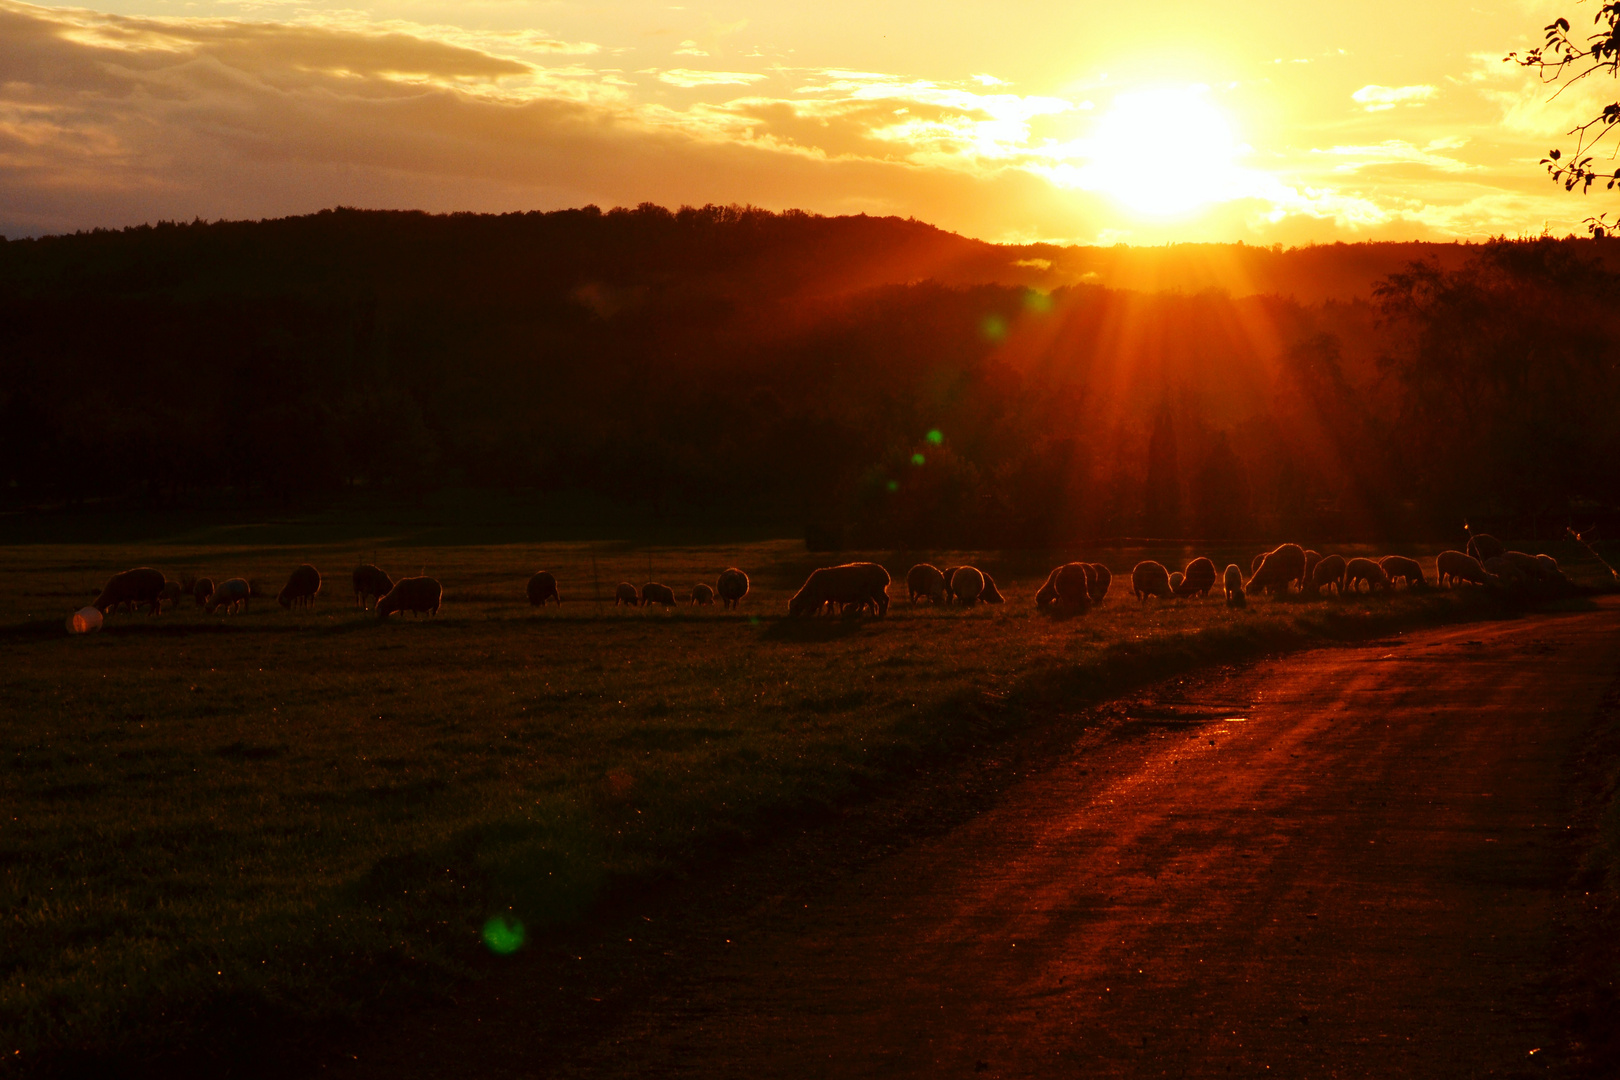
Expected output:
(1221, 493)
(1163, 487)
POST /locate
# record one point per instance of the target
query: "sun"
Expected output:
(1162, 151)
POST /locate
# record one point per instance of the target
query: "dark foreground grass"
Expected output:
(221, 831)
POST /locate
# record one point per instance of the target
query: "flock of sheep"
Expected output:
(864, 586)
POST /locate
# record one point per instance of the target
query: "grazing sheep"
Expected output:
(1404, 569)
(140, 586)
(626, 594)
(202, 590)
(1068, 588)
(732, 587)
(925, 579)
(967, 584)
(1358, 570)
(418, 595)
(1312, 557)
(1149, 578)
(232, 595)
(1504, 572)
(948, 573)
(1549, 566)
(1483, 546)
(852, 583)
(1329, 571)
(654, 593)
(991, 594)
(301, 588)
(1197, 579)
(370, 585)
(702, 595)
(1279, 569)
(1101, 577)
(542, 588)
(1175, 582)
(1254, 564)
(1454, 566)
(1528, 566)
(1232, 582)
(171, 593)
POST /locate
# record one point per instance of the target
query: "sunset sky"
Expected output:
(1065, 121)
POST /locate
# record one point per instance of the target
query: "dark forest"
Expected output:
(876, 380)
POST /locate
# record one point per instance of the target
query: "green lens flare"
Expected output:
(918, 459)
(894, 485)
(935, 436)
(1038, 302)
(994, 328)
(503, 936)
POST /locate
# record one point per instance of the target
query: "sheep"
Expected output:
(1175, 582)
(1232, 582)
(542, 587)
(852, 583)
(1279, 568)
(370, 585)
(1149, 578)
(1068, 588)
(1312, 557)
(232, 595)
(967, 584)
(702, 595)
(1358, 570)
(1329, 571)
(1407, 570)
(1549, 566)
(626, 593)
(1197, 579)
(1047, 594)
(948, 573)
(171, 593)
(302, 587)
(991, 594)
(1483, 546)
(654, 593)
(1504, 572)
(202, 590)
(925, 579)
(1254, 564)
(417, 595)
(1528, 566)
(1100, 579)
(142, 585)
(1454, 566)
(732, 587)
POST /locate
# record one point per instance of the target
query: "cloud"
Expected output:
(687, 78)
(1397, 152)
(113, 120)
(1376, 98)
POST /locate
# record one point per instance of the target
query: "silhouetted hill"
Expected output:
(870, 373)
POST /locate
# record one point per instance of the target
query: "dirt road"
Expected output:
(1342, 863)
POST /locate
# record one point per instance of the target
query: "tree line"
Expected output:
(876, 379)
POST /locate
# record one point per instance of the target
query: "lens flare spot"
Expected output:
(503, 936)
(935, 436)
(893, 485)
(994, 328)
(1038, 302)
(918, 459)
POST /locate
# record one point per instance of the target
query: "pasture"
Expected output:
(223, 824)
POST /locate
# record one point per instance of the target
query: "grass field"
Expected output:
(223, 825)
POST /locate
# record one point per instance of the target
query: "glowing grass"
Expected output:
(222, 821)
